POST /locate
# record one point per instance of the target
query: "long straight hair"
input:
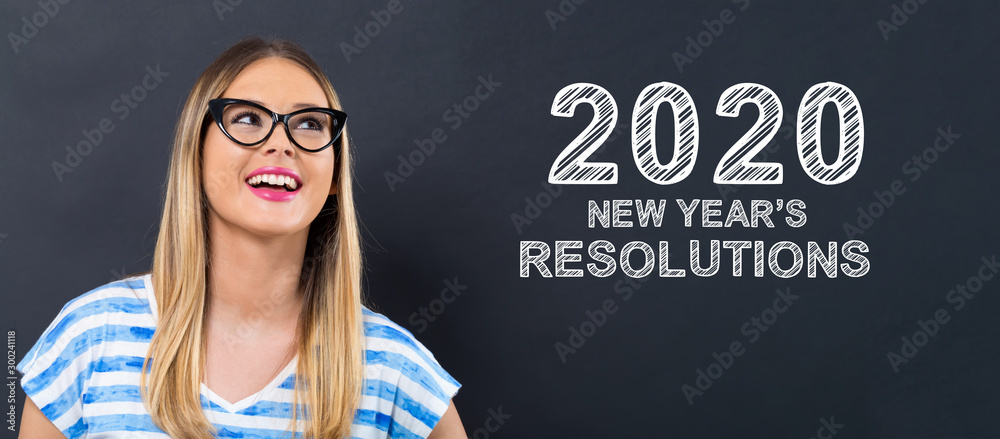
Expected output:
(330, 346)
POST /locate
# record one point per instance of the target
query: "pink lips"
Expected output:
(271, 194)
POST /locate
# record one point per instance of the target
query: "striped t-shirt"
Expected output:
(83, 373)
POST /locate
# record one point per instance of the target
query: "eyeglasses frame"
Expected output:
(216, 106)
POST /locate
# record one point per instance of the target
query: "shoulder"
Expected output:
(395, 346)
(122, 302)
(383, 333)
(92, 333)
(401, 370)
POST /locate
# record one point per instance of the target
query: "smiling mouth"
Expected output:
(278, 183)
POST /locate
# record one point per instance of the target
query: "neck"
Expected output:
(253, 281)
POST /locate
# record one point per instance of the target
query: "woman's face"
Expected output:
(281, 86)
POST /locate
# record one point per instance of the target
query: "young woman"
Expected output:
(250, 323)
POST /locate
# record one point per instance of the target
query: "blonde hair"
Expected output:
(330, 369)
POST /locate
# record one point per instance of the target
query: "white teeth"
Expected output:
(273, 179)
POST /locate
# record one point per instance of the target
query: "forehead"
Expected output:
(278, 83)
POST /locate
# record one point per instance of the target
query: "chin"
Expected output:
(275, 232)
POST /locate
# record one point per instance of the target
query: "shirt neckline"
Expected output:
(231, 407)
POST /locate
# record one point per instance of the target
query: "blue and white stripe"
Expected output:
(83, 373)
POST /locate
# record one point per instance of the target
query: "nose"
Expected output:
(279, 142)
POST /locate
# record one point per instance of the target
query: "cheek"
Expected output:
(220, 166)
(323, 172)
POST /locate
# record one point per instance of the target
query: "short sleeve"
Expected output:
(438, 389)
(57, 368)
(419, 388)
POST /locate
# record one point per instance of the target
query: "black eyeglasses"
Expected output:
(250, 124)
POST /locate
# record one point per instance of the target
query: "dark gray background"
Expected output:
(826, 356)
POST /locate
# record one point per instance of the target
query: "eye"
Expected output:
(246, 117)
(310, 123)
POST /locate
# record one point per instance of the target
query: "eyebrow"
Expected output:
(294, 107)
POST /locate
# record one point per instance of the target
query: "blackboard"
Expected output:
(453, 117)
